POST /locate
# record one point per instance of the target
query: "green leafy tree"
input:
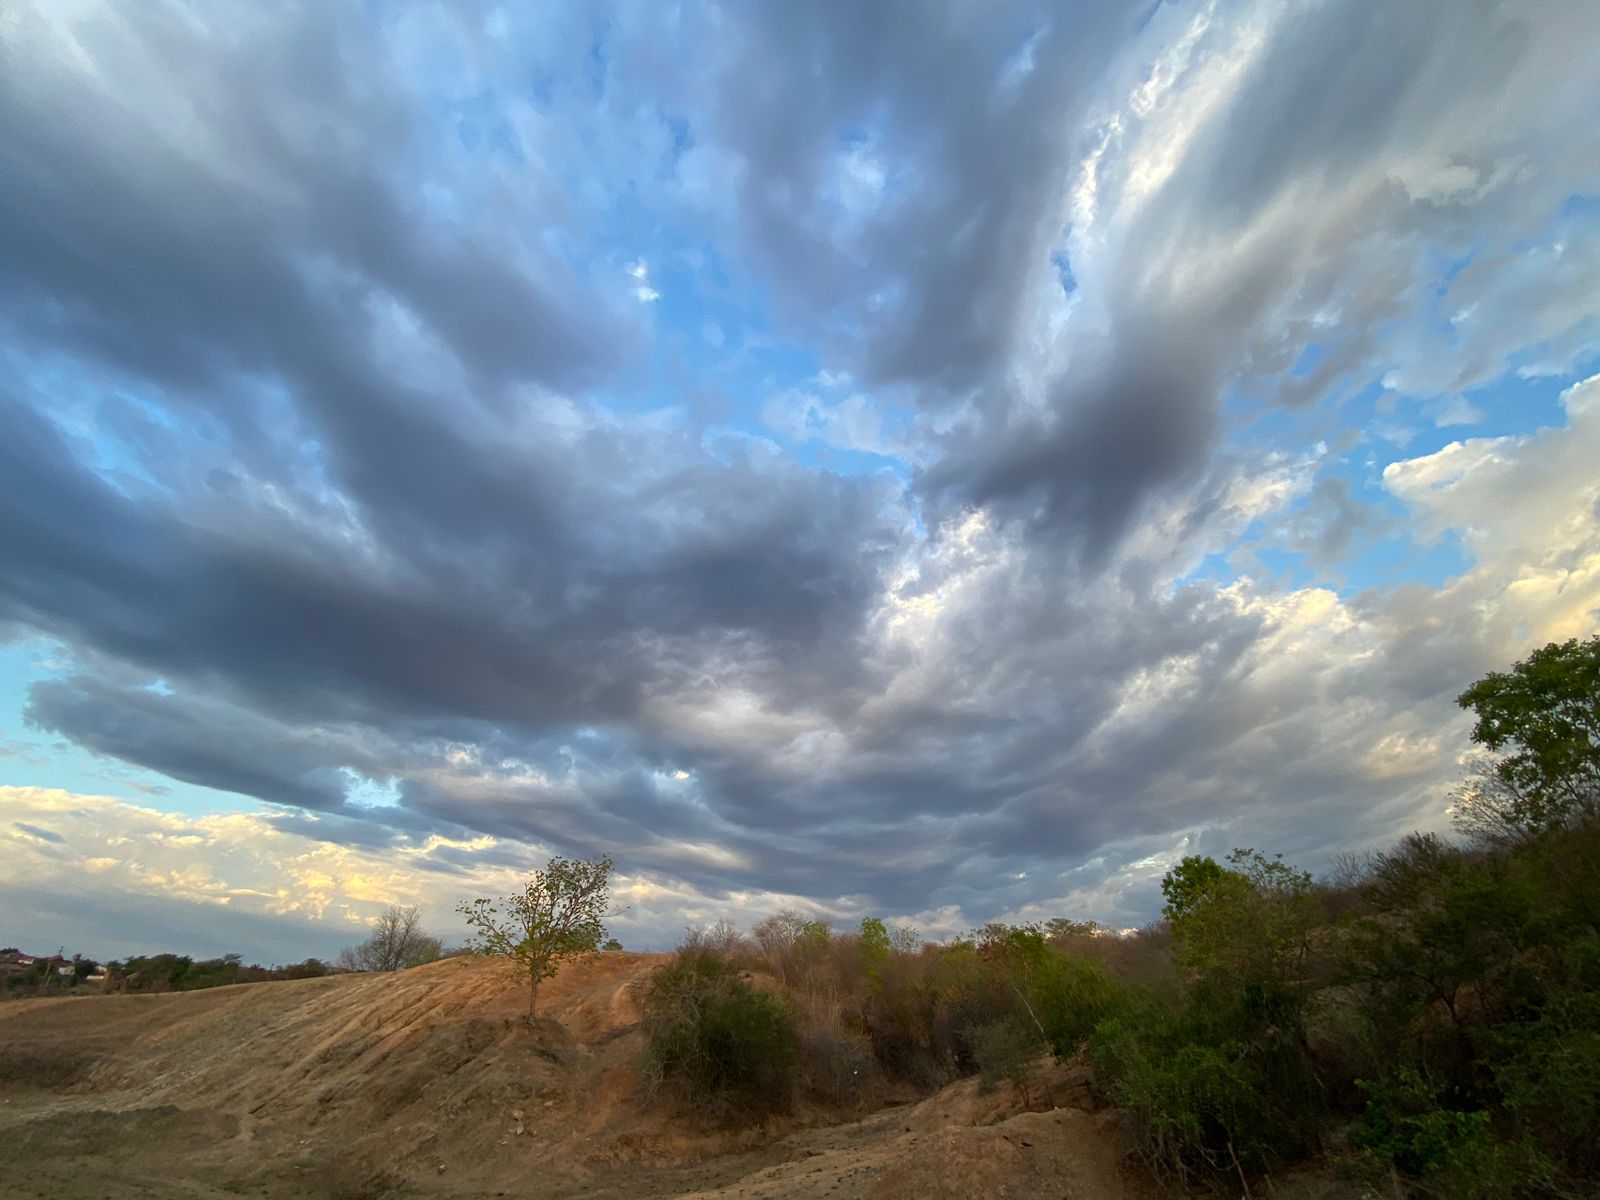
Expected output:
(875, 948)
(1188, 883)
(1247, 924)
(1543, 716)
(559, 913)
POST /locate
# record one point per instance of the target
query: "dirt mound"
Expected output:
(429, 1083)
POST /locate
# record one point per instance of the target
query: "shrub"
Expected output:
(1195, 1109)
(837, 1066)
(971, 990)
(718, 1042)
(898, 1021)
(1408, 1127)
(721, 938)
(1007, 1050)
(1070, 996)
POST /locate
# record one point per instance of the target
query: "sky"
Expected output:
(936, 460)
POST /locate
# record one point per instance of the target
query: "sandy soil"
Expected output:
(429, 1084)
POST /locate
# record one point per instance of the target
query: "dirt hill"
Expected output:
(429, 1084)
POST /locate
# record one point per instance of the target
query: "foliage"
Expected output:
(1188, 883)
(1248, 924)
(397, 941)
(875, 949)
(1196, 1105)
(180, 973)
(1063, 928)
(723, 1045)
(1545, 714)
(559, 913)
(1070, 996)
(1480, 972)
(1440, 1001)
(1407, 1125)
(1007, 1050)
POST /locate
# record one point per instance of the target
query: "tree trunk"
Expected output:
(533, 995)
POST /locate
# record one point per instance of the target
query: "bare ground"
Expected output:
(430, 1084)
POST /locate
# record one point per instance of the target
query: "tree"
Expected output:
(875, 948)
(559, 913)
(1188, 883)
(1246, 924)
(398, 941)
(1065, 927)
(777, 936)
(905, 939)
(1544, 714)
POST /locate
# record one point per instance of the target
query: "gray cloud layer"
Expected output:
(300, 424)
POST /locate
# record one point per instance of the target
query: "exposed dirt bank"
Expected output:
(429, 1084)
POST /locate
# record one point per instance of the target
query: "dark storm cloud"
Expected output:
(303, 462)
(176, 236)
(142, 728)
(970, 113)
(1289, 200)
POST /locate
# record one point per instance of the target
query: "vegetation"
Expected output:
(1431, 1014)
(1443, 998)
(1437, 1004)
(180, 973)
(151, 973)
(559, 913)
(397, 941)
(718, 1042)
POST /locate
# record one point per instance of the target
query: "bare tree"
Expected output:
(722, 938)
(398, 941)
(561, 912)
(905, 939)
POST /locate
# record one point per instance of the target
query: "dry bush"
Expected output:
(1143, 958)
(1007, 1050)
(837, 1066)
(724, 939)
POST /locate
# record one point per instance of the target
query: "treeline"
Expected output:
(180, 973)
(1428, 1018)
(396, 941)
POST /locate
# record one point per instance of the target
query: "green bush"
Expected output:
(1070, 996)
(1407, 1126)
(718, 1042)
(1197, 1108)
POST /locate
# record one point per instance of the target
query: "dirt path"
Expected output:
(429, 1084)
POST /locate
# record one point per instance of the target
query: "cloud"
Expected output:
(36, 832)
(341, 461)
